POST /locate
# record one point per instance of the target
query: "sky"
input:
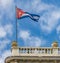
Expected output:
(30, 33)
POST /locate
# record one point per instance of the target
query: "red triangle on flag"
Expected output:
(19, 13)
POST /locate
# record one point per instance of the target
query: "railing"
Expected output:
(35, 50)
(40, 51)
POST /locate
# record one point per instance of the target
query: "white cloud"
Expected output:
(4, 43)
(7, 11)
(50, 14)
(39, 6)
(4, 55)
(58, 31)
(56, 14)
(24, 34)
(30, 40)
(4, 30)
(6, 16)
(6, 3)
(9, 29)
(49, 21)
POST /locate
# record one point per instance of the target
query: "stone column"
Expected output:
(14, 49)
(55, 48)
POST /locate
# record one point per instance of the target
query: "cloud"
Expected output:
(58, 31)
(40, 6)
(4, 30)
(7, 11)
(34, 6)
(4, 43)
(49, 14)
(6, 3)
(49, 21)
(9, 29)
(7, 8)
(24, 34)
(5, 54)
(30, 40)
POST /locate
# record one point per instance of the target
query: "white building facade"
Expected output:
(34, 54)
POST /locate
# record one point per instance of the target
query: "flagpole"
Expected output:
(16, 23)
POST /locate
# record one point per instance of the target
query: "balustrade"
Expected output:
(42, 51)
(36, 50)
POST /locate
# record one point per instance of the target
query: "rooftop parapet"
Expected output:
(39, 51)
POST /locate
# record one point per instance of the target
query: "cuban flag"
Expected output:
(21, 14)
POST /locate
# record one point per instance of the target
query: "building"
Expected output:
(34, 54)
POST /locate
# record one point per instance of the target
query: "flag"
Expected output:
(21, 14)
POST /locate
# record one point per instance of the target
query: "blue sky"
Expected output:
(30, 33)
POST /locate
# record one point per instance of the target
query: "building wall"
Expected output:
(33, 54)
